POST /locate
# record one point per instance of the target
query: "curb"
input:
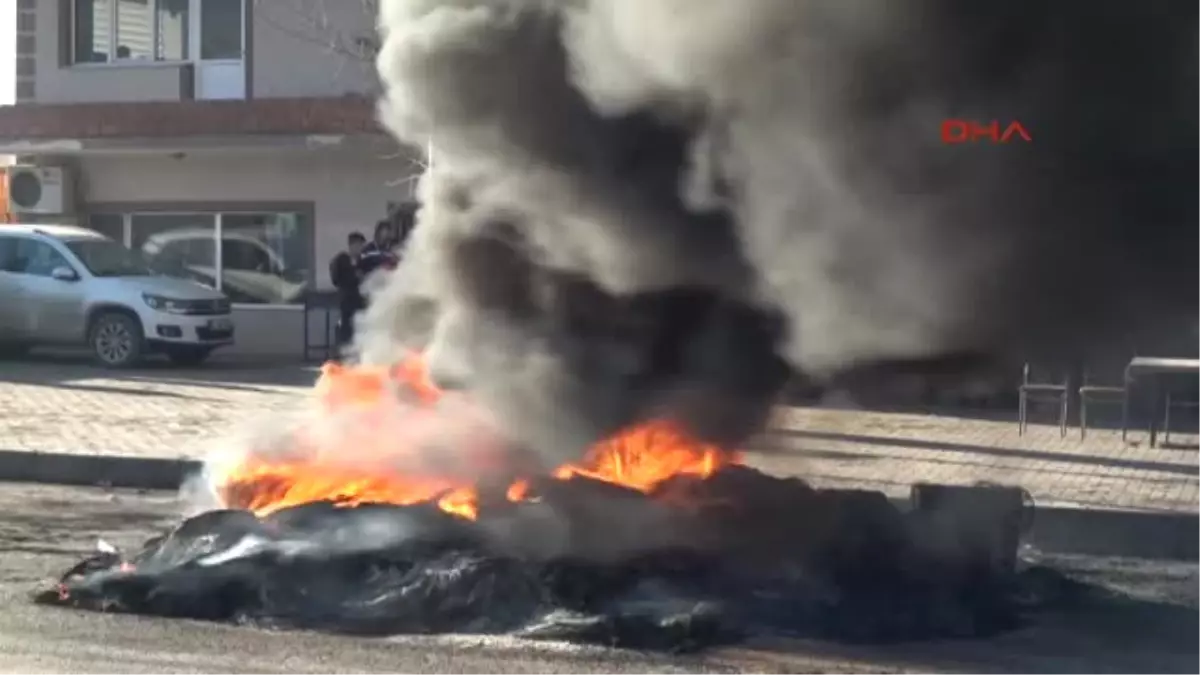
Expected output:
(1163, 535)
(145, 473)
(1056, 529)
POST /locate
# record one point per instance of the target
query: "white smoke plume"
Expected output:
(667, 207)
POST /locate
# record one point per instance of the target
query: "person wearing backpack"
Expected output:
(347, 278)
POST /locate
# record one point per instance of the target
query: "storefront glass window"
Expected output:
(263, 258)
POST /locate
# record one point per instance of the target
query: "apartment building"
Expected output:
(235, 139)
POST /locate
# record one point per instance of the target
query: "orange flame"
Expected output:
(639, 458)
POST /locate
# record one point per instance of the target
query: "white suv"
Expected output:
(63, 285)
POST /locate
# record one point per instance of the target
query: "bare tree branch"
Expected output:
(417, 166)
(346, 29)
(310, 20)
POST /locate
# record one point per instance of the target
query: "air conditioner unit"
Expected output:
(46, 190)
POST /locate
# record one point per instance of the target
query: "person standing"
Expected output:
(347, 279)
(404, 219)
(379, 253)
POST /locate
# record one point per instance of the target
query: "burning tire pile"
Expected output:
(650, 542)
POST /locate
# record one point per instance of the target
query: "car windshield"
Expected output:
(107, 258)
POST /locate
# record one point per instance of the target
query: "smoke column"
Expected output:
(665, 207)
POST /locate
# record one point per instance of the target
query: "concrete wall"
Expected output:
(24, 37)
(109, 83)
(349, 192)
(295, 48)
(311, 48)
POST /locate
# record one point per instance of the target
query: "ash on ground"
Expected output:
(696, 563)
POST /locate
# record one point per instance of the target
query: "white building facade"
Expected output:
(236, 138)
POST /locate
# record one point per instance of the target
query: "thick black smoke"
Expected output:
(662, 207)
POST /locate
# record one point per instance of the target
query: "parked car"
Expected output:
(63, 285)
(251, 272)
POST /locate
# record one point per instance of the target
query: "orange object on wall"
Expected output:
(5, 214)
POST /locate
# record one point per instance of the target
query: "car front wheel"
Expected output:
(116, 340)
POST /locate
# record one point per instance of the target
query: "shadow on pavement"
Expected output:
(62, 369)
(1089, 526)
(774, 443)
(1110, 633)
(1100, 417)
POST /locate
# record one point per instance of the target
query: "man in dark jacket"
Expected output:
(379, 252)
(346, 277)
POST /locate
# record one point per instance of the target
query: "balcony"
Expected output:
(41, 128)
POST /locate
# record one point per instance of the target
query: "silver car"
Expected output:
(63, 285)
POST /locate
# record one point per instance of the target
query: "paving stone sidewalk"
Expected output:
(889, 451)
(74, 408)
(156, 412)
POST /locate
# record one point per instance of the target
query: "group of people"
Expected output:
(361, 258)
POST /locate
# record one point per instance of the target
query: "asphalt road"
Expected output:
(43, 530)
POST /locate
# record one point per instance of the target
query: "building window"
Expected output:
(130, 30)
(265, 257)
(93, 31)
(171, 24)
(221, 30)
(178, 244)
(260, 258)
(111, 225)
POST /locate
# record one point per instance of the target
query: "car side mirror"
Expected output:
(64, 274)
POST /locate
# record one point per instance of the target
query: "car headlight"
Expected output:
(162, 304)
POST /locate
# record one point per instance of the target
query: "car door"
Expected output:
(54, 308)
(12, 301)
